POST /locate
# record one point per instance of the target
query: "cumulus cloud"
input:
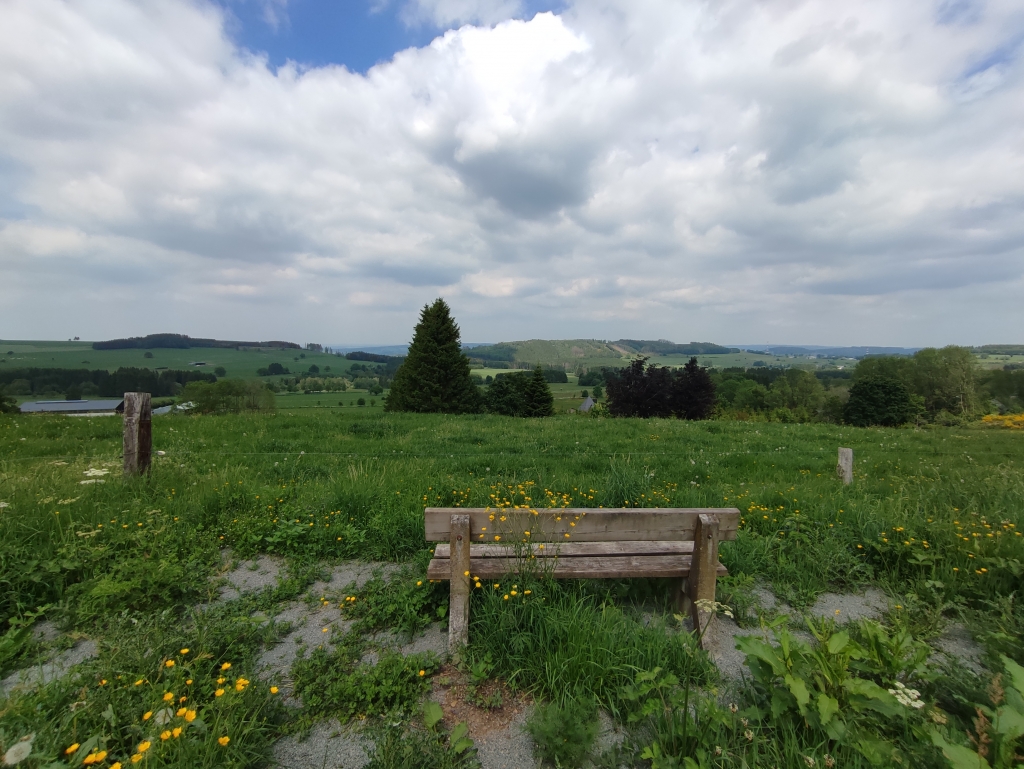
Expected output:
(446, 13)
(726, 170)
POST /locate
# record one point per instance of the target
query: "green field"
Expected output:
(933, 519)
(238, 363)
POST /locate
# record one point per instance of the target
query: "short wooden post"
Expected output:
(138, 433)
(681, 597)
(703, 573)
(845, 466)
(458, 607)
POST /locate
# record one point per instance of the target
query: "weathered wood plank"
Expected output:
(703, 574)
(845, 465)
(581, 567)
(580, 524)
(567, 549)
(459, 572)
(138, 433)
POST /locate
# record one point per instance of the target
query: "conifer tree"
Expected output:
(435, 375)
(693, 392)
(539, 400)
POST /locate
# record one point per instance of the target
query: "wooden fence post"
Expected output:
(458, 605)
(845, 466)
(138, 433)
(703, 574)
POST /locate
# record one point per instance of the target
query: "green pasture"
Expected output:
(238, 363)
(933, 518)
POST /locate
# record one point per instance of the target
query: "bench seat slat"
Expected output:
(591, 525)
(578, 567)
(569, 549)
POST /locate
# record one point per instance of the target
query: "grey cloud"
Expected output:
(541, 174)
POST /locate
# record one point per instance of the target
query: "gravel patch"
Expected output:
(44, 631)
(957, 645)
(433, 639)
(313, 627)
(252, 576)
(765, 598)
(508, 748)
(847, 607)
(720, 642)
(39, 675)
(329, 745)
(347, 572)
(609, 734)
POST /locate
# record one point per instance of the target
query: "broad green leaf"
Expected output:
(878, 752)
(1009, 723)
(1015, 700)
(460, 731)
(827, 708)
(1016, 673)
(755, 647)
(838, 642)
(798, 689)
(836, 729)
(958, 756)
(462, 745)
(867, 695)
(432, 713)
(782, 701)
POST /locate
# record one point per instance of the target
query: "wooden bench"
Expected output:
(580, 543)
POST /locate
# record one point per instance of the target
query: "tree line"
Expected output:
(44, 382)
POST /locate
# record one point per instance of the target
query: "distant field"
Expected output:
(239, 364)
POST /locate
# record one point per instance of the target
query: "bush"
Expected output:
(7, 403)
(563, 734)
(220, 371)
(520, 395)
(229, 396)
(641, 390)
(881, 401)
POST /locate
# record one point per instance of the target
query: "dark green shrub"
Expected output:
(881, 401)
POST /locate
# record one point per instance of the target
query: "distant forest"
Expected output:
(53, 382)
(182, 342)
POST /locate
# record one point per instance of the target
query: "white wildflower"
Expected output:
(713, 607)
(3, 505)
(94, 473)
(19, 751)
(908, 698)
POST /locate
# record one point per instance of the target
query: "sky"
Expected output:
(736, 171)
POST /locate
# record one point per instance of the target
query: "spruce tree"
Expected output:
(539, 400)
(435, 375)
(693, 392)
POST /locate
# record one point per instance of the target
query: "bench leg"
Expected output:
(681, 596)
(703, 573)
(458, 607)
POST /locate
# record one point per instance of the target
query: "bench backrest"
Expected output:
(581, 524)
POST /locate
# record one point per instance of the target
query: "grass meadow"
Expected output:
(933, 518)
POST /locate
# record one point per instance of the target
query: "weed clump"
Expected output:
(563, 733)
